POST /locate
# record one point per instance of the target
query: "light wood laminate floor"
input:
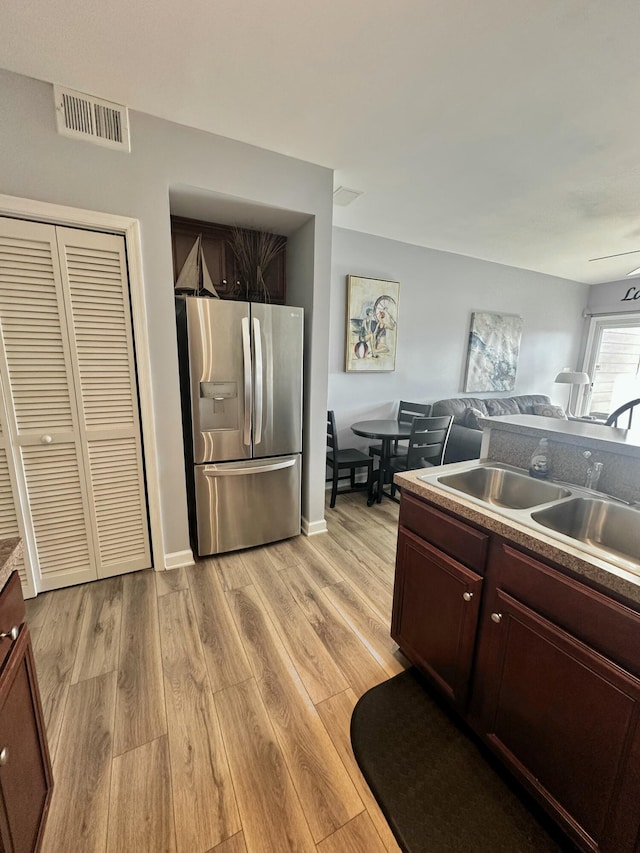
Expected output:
(207, 710)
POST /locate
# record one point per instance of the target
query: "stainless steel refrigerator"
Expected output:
(241, 373)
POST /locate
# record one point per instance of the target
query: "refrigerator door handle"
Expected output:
(246, 354)
(254, 469)
(259, 391)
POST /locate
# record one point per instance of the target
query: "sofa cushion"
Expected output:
(457, 407)
(470, 418)
(549, 411)
(503, 406)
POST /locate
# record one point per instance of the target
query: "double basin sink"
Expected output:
(601, 526)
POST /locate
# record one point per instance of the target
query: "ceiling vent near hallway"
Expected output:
(82, 116)
(344, 196)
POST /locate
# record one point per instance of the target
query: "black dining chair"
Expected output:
(612, 420)
(406, 413)
(427, 446)
(349, 458)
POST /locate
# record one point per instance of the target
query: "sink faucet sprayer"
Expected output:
(594, 469)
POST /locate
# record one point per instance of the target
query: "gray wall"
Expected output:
(615, 297)
(438, 292)
(38, 163)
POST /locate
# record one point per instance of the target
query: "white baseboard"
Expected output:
(178, 559)
(313, 527)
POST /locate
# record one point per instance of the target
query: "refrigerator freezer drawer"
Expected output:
(241, 504)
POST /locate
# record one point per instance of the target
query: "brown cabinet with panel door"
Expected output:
(437, 597)
(25, 769)
(552, 671)
(221, 262)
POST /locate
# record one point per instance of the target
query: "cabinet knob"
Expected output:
(12, 634)
(4, 756)
(496, 617)
(46, 439)
(467, 596)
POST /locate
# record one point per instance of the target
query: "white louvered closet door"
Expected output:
(96, 290)
(63, 488)
(11, 523)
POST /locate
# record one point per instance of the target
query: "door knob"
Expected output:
(496, 617)
(12, 634)
(46, 439)
(467, 596)
(4, 756)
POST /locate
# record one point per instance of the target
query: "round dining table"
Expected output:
(385, 431)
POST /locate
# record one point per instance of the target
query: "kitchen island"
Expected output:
(533, 641)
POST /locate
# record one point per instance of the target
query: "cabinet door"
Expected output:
(565, 719)
(25, 772)
(435, 613)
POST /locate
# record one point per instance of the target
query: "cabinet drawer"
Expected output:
(12, 613)
(454, 537)
(602, 623)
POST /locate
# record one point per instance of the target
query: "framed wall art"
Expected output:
(372, 324)
(492, 356)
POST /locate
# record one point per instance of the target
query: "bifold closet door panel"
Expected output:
(10, 523)
(96, 291)
(41, 407)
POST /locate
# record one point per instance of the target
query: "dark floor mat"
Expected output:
(438, 788)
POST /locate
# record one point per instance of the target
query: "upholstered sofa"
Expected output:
(466, 434)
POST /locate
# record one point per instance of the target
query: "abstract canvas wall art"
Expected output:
(372, 324)
(492, 357)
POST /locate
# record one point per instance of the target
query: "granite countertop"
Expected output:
(590, 435)
(603, 574)
(10, 553)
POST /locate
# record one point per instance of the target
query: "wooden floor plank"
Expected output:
(361, 548)
(55, 653)
(99, 637)
(224, 653)
(359, 522)
(204, 803)
(355, 662)
(318, 672)
(336, 713)
(140, 712)
(367, 625)
(37, 608)
(232, 571)
(303, 553)
(327, 794)
(358, 836)
(231, 845)
(141, 809)
(35, 633)
(355, 570)
(171, 581)
(77, 821)
(284, 552)
(272, 817)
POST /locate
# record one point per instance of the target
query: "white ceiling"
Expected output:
(501, 129)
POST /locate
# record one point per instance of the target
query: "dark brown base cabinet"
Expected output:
(25, 770)
(544, 668)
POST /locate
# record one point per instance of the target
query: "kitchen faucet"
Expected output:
(594, 469)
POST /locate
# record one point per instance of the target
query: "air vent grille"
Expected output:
(85, 117)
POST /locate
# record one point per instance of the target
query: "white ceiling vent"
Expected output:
(344, 196)
(82, 116)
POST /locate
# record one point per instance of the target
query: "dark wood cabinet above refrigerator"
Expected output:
(221, 262)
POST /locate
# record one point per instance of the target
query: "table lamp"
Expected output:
(572, 377)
